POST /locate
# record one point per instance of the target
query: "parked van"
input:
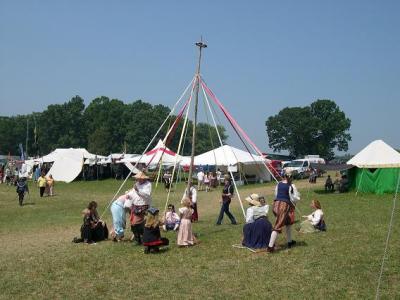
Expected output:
(301, 168)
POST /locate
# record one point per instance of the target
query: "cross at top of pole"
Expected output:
(201, 45)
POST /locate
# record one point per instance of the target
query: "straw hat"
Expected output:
(141, 175)
(253, 199)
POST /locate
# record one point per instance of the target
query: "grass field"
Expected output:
(38, 260)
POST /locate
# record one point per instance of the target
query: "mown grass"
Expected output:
(38, 260)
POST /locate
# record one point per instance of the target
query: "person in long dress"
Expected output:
(257, 230)
(93, 229)
(152, 239)
(185, 233)
(192, 194)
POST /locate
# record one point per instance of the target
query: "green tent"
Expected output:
(377, 169)
(378, 181)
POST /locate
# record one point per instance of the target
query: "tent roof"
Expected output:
(62, 152)
(160, 151)
(377, 154)
(226, 156)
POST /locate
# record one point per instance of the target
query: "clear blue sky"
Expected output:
(262, 56)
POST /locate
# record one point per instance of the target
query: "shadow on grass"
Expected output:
(323, 192)
(285, 247)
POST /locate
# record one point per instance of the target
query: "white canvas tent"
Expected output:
(226, 157)
(157, 154)
(377, 154)
(67, 163)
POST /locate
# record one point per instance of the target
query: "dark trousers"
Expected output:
(21, 198)
(41, 190)
(225, 209)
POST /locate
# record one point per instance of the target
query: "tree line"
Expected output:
(105, 126)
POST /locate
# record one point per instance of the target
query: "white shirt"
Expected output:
(315, 217)
(254, 212)
(193, 197)
(200, 176)
(171, 217)
(143, 195)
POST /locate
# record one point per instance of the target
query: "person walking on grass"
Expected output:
(286, 195)
(41, 182)
(22, 188)
(226, 197)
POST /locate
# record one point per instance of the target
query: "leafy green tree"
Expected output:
(315, 129)
(61, 126)
(141, 122)
(104, 127)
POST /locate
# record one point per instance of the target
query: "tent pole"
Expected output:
(362, 173)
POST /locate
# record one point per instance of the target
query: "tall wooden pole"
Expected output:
(201, 45)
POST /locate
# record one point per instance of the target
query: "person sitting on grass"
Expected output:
(315, 221)
(257, 230)
(93, 229)
(152, 240)
(171, 219)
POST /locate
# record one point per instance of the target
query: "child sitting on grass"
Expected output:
(152, 239)
(315, 221)
(171, 219)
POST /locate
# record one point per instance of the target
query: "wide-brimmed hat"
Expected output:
(141, 175)
(289, 173)
(254, 199)
(227, 177)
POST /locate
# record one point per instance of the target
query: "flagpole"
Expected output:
(27, 137)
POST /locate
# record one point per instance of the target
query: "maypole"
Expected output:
(201, 45)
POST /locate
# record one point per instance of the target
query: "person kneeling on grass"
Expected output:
(315, 221)
(257, 230)
(93, 228)
(152, 239)
(171, 219)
